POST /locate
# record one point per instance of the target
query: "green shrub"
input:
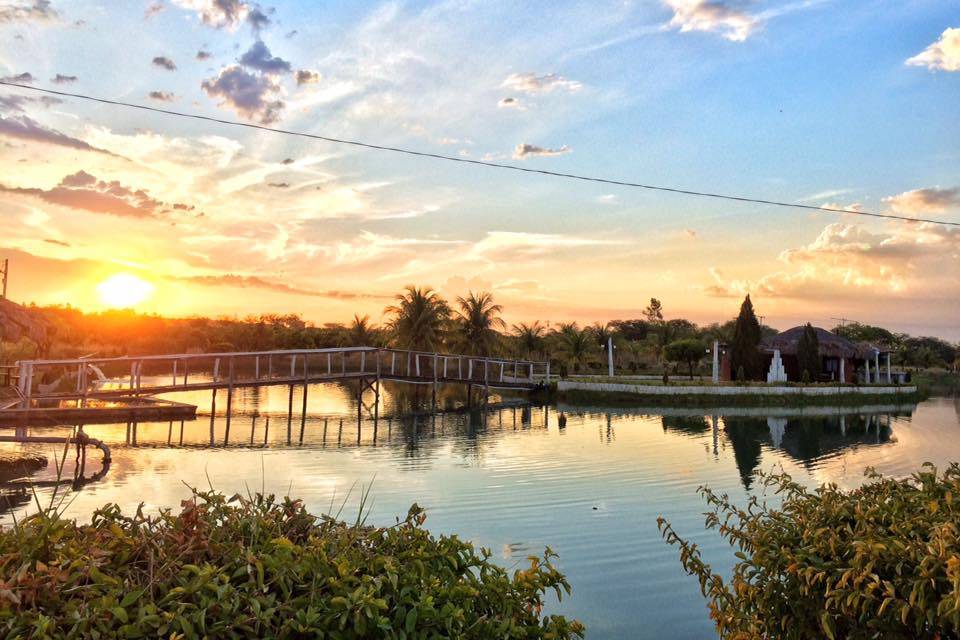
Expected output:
(882, 561)
(260, 568)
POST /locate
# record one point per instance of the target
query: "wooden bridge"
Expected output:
(128, 385)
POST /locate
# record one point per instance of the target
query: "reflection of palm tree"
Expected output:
(529, 338)
(576, 345)
(418, 318)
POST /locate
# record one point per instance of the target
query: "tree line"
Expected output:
(421, 318)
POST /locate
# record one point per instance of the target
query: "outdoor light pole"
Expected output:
(716, 361)
(610, 356)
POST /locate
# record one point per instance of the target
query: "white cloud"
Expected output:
(929, 200)
(26, 11)
(914, 260)
(721, 16)
(944, 54)
(523, 150)
(511, 245)
(253, 96)
(532, 83)
(258, 57)
(222, 14)
(307, 76)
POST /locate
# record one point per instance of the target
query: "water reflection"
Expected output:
(513, 477)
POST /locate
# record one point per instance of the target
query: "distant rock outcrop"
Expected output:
(17, 322)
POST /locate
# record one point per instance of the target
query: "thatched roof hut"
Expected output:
(831, 345)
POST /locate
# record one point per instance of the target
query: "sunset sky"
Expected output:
(836, 103)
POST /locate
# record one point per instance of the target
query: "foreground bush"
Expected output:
(256, 567)
(882, 561)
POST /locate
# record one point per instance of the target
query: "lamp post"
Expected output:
(609, 349)
(718, 350)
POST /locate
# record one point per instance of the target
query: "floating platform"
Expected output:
(99, 411)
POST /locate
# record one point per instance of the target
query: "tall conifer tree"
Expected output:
(808, 352)
(744, 351)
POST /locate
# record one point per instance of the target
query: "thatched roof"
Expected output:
(831, 345)
(18, 322)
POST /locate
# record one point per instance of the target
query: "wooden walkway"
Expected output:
(48, 385)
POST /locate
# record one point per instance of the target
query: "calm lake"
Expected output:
(513, 479)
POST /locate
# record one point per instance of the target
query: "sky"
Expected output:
(820, 102)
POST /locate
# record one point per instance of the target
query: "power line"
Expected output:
(484, 163)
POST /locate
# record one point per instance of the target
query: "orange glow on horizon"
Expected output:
(124, 291)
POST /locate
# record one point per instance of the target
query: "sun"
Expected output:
(123, 290)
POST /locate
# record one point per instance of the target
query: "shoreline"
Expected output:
(730, 395)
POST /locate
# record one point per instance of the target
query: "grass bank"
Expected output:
(262, 568)
(687, 393)
(937, 383)
(624, 399)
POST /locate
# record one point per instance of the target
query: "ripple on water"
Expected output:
(513, 481)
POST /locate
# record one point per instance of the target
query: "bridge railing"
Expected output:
(492, 371)
(170, 372)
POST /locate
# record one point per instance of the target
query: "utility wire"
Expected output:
(484, 163)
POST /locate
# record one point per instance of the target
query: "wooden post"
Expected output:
(416, 359)
(376, 399)
(293, 365)
(289, 413)
(303, 409)
(270, 366)
(133, 374)
(213, 410)
(393, 362)
(486, 383)
(363, 361)
(216, 369)
(459, 368)
(22, 379)
(226, 435)
(84, 385)
(329, 364)
(174, 372)
(434, 381)
(186, 366)
(256, 368)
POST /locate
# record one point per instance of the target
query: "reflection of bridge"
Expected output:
(412, 435)
(122, 388)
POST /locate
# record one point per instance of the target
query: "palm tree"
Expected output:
(361, 333)
(418, 318)
(576, 344)
(601, 332)
(476, 324)
(529, 338)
